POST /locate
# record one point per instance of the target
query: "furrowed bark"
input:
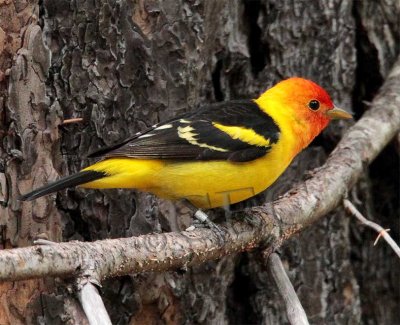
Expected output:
(278, 221)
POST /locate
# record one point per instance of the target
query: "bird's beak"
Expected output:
(338, 113)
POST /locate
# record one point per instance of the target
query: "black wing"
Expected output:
(195, 136)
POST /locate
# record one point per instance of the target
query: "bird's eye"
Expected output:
(314, 104)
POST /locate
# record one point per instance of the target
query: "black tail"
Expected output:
(69, 181)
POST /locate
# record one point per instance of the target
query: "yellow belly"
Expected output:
(213, 184)
(207, 184)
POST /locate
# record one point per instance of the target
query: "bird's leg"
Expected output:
(255, 223)
(238, 215)
(201, 217)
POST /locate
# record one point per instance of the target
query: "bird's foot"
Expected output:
(205, 222)
(238, 216)
(254, 222)
(202, 220)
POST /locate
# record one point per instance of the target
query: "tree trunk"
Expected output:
(122, 66)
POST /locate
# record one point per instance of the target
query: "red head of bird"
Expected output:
(301, 106)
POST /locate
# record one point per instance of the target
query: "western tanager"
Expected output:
(220, 154)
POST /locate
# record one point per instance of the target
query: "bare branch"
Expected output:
(93, 305)
(294, 309)
(89, 296)
(279, 220)
(381, 231)
(72, 120)
(42, 241)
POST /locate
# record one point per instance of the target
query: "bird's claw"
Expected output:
(202, 221)
(254, 222)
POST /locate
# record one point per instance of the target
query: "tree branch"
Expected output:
(279, 220)
(89, 296)
(381, 231)
(294, 310)
(93, 305)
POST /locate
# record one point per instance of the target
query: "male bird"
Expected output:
(220, 154)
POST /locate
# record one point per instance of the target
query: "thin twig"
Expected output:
(72, 120)
(381, 231)
(380, 235)
(93, 305)
(42, 241)
(295, 311)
